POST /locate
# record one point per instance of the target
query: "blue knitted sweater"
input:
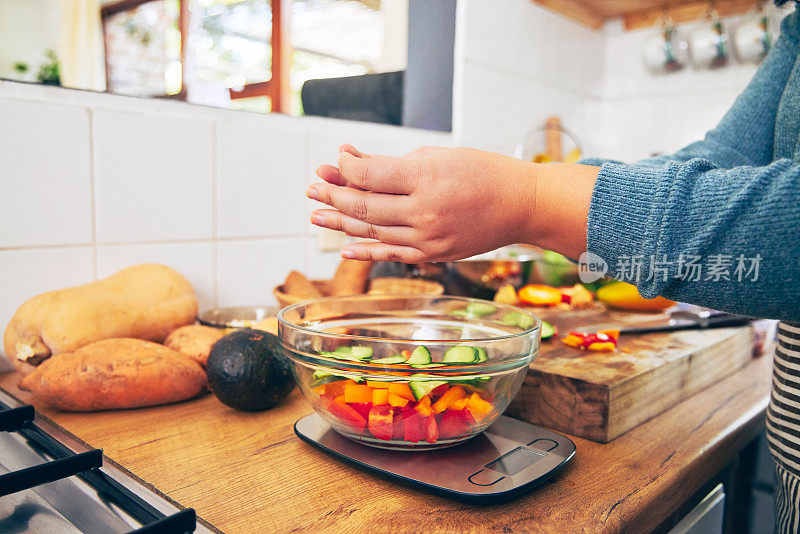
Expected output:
(729, 204)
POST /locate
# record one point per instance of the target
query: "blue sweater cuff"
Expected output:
(627, 207)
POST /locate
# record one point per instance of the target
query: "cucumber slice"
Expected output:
(319, 375)
(390, 360)
(424, 365)
(548, 330)
(460, 313)
(482, 356)
(421, 355)
(479, 309)
(422, 388)
(520, 320)
(333, 378)
(358, 354)
(461, 354)
(361, 353)
(476, 381)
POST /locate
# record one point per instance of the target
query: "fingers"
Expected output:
(335, 220)
(385, 175)
(382, 252)
(331, 174)
(376, 208)
(350, 149)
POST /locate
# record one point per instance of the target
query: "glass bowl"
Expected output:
(408, 372)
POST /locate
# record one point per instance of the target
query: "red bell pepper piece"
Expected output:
(362, 408)
(381, 421)
(344, 414)
(468, 418)
(397, 432)
(453, 424)
(430, 429)
(412, 426)
(438, 391)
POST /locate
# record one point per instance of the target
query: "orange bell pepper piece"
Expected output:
(450, 396)
(459, 404)
(319, 390)
(423, 407)
(612, 333)
(402, 389)
(340, 399)
(607, 346)
(377, 384)
(396, 400)
(478, 407)
(572, 341)
(539, 295)
(357, 393)
(380, 396)
(334, 389)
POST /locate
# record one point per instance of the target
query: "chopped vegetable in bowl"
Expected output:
(409, 373)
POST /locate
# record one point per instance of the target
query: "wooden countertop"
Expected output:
(249, 472)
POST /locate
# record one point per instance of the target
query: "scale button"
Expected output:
(485, 478)
(544, 444)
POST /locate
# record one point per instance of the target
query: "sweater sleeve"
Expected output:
(745, 135)
(724, 238)
(718, 222)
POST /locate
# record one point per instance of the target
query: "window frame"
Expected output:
(276, 88)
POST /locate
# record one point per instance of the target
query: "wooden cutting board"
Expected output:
(600, 396)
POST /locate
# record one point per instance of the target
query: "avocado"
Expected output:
(247, 370)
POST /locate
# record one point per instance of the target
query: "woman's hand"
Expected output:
(434, 204)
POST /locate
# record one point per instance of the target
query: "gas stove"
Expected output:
(51, 482)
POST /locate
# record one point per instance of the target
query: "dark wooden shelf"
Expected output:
(642, 13)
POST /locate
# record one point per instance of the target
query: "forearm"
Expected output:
(741, 226)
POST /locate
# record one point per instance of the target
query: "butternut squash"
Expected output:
(145, 301)
(116, 373)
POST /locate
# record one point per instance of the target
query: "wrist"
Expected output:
(559, 211)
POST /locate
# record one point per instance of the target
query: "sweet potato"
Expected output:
(194, 341)
(350, 277)
(298, 285)
(268, 324)
(145, 301)
(116, 373)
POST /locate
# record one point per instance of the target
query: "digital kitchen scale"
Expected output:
(506, 460)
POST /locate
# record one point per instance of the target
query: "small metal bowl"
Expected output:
(236, 317)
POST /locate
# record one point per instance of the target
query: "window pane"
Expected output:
(144, 49)
(333, 38)
(229, 41)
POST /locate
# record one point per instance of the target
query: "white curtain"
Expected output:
(81, 45)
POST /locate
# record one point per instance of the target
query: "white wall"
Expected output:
(516, 65)
(93, 183)
(643, 113)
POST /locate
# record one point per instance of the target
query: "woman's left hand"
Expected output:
(434, 204)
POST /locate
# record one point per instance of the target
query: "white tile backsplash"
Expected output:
(261, 179)
(45, 175)
(321, 265)
(195, 261)
(153, 177)
(27, 273)
(248, 270)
